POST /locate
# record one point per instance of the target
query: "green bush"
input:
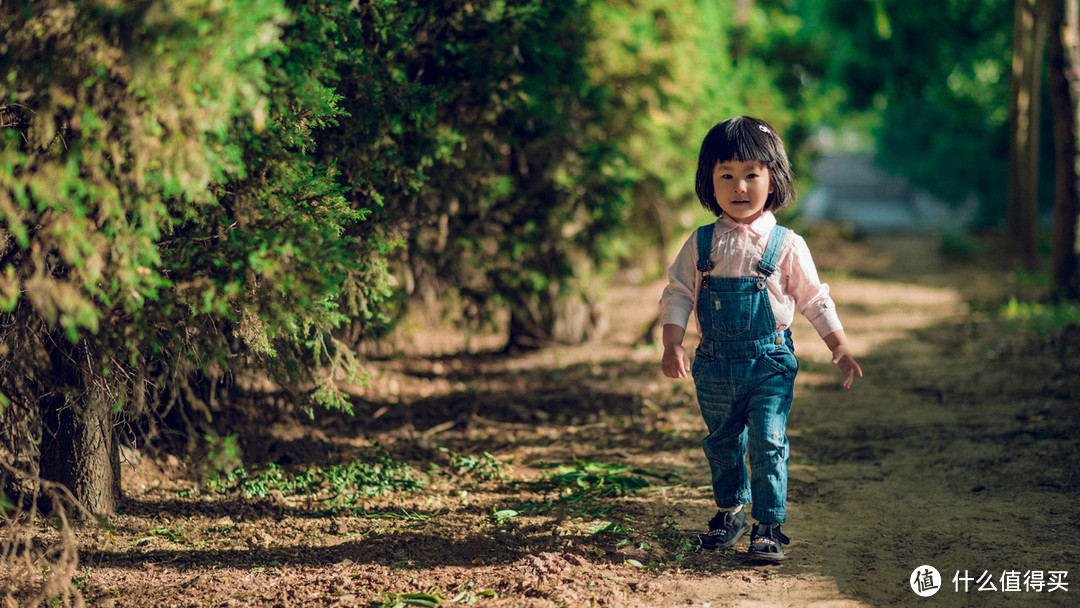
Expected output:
(162, 215)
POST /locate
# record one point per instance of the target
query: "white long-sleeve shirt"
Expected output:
(736, 251)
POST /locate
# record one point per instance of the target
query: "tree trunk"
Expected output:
(1064, 63)
(544, 319)
(78, 440)
(1028, 42)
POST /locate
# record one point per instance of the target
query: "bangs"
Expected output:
(742, 139)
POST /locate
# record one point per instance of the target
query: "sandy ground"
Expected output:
(958, 450)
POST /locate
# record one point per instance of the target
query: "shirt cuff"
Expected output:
(675, 315)
(826, 322)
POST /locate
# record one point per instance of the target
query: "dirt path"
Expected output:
(958, 450)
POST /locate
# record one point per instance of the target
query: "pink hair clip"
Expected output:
(764, 129)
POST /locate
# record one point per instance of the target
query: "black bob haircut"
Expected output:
(744, 138)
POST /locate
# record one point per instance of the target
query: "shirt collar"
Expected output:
(761, 226)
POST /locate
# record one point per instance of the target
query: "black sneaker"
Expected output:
(767, 543)
(725, 529)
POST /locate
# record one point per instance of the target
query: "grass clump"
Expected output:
(583, 486)
(601, 478)
(337, 485)
(482, 467)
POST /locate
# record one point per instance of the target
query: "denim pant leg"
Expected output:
(725, 445)
(767, 413)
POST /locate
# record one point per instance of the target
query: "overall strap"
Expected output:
(767, 265)
(704, 252)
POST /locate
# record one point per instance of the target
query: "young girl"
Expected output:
(744, 276)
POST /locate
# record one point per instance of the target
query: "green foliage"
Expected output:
(674, 69)
(335, 485)
(670, 537)
(224, 455)
(405, 600)
(430, 600)
(504, 515)
(1041, 317)
(476, 128)
(83, 581)
(401, 514)
(596, 478)
(584, 486)
(185, 184)
(958, 245)
(468, 597)
(188, 189)
(483, 467)
(163, 216)
(937, 77)
(175, 535)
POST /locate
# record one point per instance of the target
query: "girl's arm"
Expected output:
(812, 296)
(676, 305)
(676, 362)
(802, 283)
(841, 356)
(680, 295)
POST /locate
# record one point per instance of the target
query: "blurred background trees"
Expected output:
(189, 190)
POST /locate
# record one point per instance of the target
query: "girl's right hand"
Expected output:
(676, 362)
(847, 364)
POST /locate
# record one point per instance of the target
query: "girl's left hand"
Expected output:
(847, 364)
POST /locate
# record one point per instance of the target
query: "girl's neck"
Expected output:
(747, 220)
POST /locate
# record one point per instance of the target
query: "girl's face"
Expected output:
(742, 188)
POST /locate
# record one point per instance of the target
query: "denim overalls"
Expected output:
(744, 371)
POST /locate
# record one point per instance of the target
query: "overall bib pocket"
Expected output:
(730, 312)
